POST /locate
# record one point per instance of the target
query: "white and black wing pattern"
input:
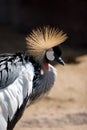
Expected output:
(16, 81)
(10, 67)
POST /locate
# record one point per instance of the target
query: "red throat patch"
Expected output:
(47, 66)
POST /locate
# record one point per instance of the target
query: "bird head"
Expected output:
(43, 43)
(54, 54)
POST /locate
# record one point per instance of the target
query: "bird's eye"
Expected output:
(50, 55)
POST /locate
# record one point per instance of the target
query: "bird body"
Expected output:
(21, 79)
(12, 96)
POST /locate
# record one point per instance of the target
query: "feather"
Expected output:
(43, 39)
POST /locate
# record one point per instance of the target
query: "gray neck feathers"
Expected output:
(44, 83)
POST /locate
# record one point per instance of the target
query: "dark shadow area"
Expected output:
(19, 17)
(71, 55)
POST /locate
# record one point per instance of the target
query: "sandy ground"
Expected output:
(65, 107)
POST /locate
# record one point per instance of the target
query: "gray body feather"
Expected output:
(43, 83)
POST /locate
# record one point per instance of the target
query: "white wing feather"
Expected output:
(12, 97)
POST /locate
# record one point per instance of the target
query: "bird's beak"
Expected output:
(60, 61)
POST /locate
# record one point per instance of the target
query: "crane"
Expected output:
(24, 77)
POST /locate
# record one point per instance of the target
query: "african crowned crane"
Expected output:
(21, 80)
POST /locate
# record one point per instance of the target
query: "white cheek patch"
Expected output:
(50, 55)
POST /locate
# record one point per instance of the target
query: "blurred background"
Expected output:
(67, 102)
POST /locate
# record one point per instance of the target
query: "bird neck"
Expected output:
(44, 82)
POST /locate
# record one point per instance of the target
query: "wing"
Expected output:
(10, 67)
(18, 72)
